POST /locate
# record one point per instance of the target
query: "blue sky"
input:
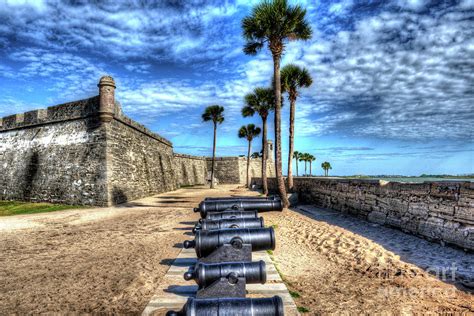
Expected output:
(393, 89)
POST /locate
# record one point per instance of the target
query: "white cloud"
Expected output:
(415, 5)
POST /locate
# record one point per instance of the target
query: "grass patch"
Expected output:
(270, 252)
(295, 294)
(8, 208)
(303, 309)
(275, 226)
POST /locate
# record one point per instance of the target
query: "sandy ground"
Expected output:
(112, 260)
(339, 264)
(93, 260)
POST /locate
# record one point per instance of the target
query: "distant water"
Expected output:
(416, 179)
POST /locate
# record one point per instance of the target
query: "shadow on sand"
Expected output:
(429, 256)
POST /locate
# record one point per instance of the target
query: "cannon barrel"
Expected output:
(206, 207)
(236, 198)
(206, 241)
(232, 214)
(208, 224)
(206, 273)
(272, 306)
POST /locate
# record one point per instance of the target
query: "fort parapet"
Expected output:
(88, 152)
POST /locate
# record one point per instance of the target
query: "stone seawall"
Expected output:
(439, 211)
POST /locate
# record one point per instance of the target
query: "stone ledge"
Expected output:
(177, 155)
(53, 114)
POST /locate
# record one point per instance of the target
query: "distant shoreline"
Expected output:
(414, 179)
(467, 176)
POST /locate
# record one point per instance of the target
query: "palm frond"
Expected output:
(214, 113)
(274, 21)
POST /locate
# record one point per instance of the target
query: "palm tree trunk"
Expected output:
(305, 166)
(264, 156)
(213, 156)
(310, 172)
(291, 149)
(248, 164)
(278, 164)
(296, 166)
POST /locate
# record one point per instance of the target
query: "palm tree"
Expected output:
(249, 132)
(304, 157)
(274, 22)
(261, 101)
(296, 157)
(292, 79)
(214, 113)
(311, 158)
(326, 166)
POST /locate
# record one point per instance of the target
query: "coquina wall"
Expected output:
(442, 211)
(190, 170)
(139, 162)
(87, 152)
(231, 170)
(56, 154)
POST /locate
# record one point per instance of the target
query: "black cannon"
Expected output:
(236, 198)
(207, 241)
(230, 214)
(208, 224)
(272, 306)
(206, 274)
(206, 207)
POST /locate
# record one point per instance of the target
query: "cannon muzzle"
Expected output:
(189, 244)
(208, 224)
(206, 273)
(206, 241)
(272, 306)
(206, 207)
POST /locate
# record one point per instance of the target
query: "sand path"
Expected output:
(111, 260)
(339, 264)
(106, 260)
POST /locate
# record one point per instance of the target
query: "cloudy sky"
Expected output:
(393, 89)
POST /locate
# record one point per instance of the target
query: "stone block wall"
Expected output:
(233, 170)
(440, 211)
(55, 154)
(139, 162)
(87, 152)
(227, 169)
(190, 170)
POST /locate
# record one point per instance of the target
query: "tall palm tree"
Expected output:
(214, 113)
(304, 157)
(311, 158)
(261, 101)
(249, 132)
(296, 157)
(275, 22)
(326, 166)
(293, 78)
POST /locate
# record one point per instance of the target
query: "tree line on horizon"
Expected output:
(272, 23)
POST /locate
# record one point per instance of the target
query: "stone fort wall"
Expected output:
(88, 152)
(440, 211)
(190, 170)
(56, 154)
